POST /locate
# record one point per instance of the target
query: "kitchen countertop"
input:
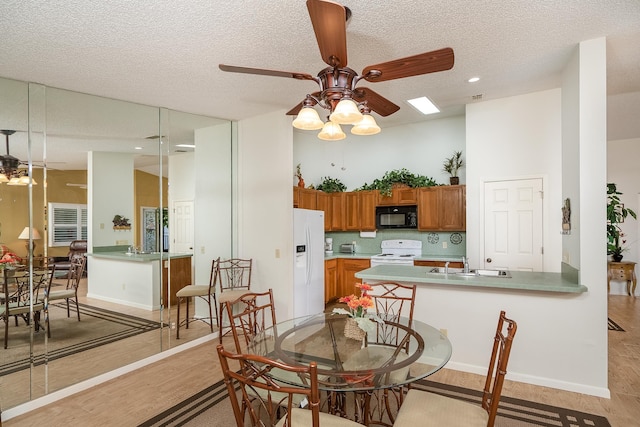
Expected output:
(123, 256)
(423, 257)
(519, 280)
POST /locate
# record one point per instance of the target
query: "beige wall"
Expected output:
(146, 195)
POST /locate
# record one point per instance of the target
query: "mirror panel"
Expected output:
(116, 158)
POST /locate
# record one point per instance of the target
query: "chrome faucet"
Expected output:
(465, 261)
(446, 267)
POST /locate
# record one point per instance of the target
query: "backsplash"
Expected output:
(432, 242)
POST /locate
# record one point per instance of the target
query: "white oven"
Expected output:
(397, 252)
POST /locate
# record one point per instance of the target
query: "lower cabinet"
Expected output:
(425, 263)
(330, 280)
(340, 276)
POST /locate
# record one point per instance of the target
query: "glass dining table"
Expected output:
(360, 379)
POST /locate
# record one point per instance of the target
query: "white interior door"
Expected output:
(513, 225)
(182, 230)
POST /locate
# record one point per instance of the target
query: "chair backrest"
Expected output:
(392, 301)
(234, 273)
(75, 272)
(19, 295)
(505, 332)
(266, 408)
(255, 312)
(77, 248)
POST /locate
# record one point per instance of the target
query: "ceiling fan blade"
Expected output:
(263, 72)
(329, 22)
(295, 110)
(375, 101)
(424, 63)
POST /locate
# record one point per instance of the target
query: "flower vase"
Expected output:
(617, 257)
(300, 182)
(353, 331)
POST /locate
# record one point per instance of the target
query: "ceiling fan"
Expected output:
(10, 171)
(347, 104)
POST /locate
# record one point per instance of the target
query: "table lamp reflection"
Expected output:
(25, 236)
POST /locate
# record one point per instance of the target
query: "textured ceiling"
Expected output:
(166, 53)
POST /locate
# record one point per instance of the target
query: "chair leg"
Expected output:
(178, 320)
(210, 315)
(6, 331)
(77, 308)
(220, 323)
(187, 319)
(68, 312)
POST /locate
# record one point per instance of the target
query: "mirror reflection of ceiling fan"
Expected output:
(347, 104)
(13, 170)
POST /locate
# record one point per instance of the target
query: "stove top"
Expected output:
(399, 250)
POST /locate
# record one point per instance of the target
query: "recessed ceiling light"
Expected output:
(424, 105)
(473, 79)
(186, 145)
(138, 148)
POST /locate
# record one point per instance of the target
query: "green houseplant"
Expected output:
(451, 166)
(616, 214)
(331, 185)
(398, 176)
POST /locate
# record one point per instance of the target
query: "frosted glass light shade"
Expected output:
(3, 178)
(346, 113)
(367, 126)
(331, 132)
(308, 119)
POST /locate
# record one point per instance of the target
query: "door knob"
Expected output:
(488, 259)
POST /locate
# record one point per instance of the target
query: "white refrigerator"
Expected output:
(308, 262)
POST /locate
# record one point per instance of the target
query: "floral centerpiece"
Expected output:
(359, 320)
(9, 259)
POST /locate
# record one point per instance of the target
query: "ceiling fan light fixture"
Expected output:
(366, 126)
(308, 119)
(346, 112)
(331, 132)
(3, 178)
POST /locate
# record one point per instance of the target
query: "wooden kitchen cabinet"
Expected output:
(428, 263)
(442, 208)
(337, 211)
(352, 211)
(348, 270)
(323, 203)
(307, 198)
(330, 280)
(180, 277)
(400, 195)
(368, 201)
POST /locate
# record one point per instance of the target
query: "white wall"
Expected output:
(509, 138)
(109, 193)
(622, 169)
(421, 148)
(265, 200)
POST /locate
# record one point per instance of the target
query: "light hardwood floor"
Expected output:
(136, 397)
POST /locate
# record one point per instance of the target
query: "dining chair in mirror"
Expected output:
(204, 292)
(77, 249)
(234, 279)
(254, 313)
(270, 402)
(430, 409)
(18, 303)
(70, 293)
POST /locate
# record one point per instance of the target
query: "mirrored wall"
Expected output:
(133, 181)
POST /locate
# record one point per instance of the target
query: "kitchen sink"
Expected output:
(472, 273)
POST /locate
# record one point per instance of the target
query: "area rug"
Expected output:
(613, 326)
(69, 336)
(211, 407)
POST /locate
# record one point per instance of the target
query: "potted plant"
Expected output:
(616, 214)
(451, 166)
(331, 185)
(299, 176)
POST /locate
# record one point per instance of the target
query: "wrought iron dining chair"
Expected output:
(204, 292)
(394, 304)
(21, 299)
(70, 293)
(234, 278)
(254, 391)
(430, 409)
(254, 312)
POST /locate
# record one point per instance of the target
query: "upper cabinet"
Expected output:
(442, 208)
(400, 196)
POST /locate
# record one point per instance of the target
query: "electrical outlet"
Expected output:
(277, 253)
(444, 245)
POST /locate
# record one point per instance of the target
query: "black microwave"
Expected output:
(396, 217)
